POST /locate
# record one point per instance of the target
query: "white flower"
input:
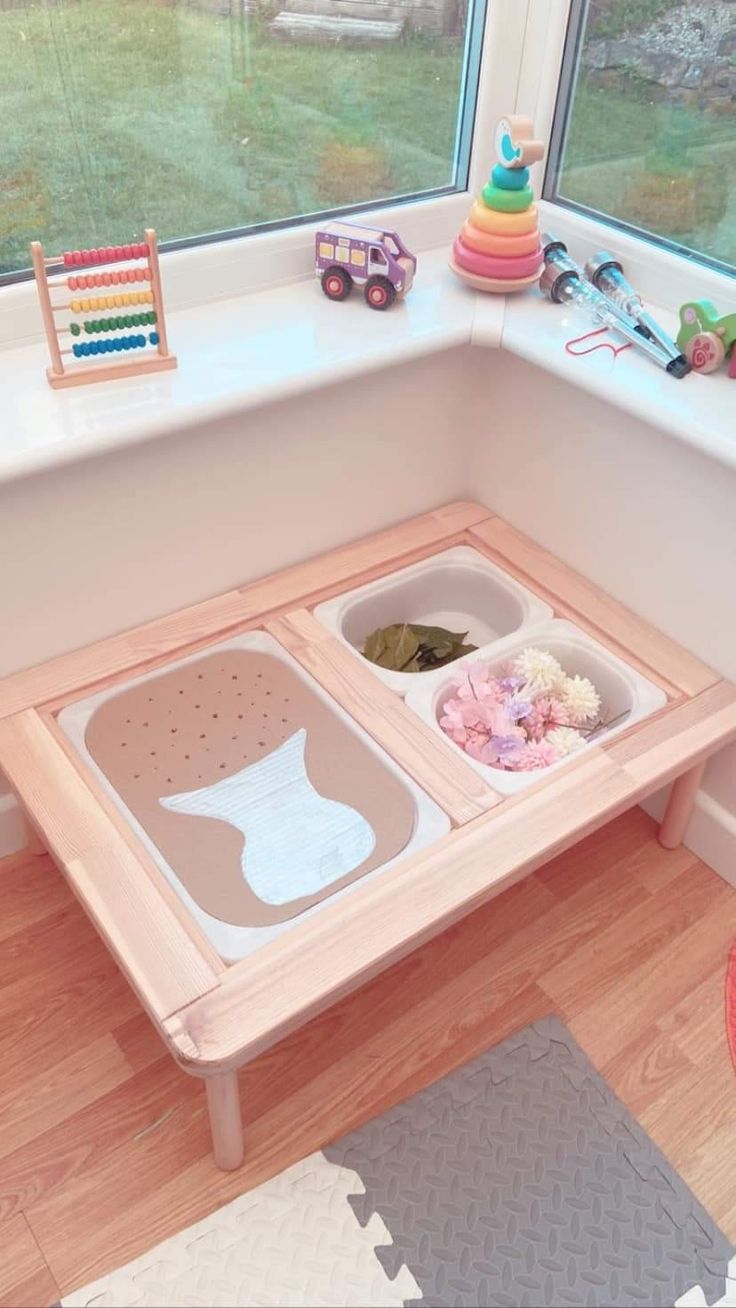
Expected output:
(565, 740)
(581, 699)
(539, 670)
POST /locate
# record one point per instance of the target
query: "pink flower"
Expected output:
(546, 714)
(534, 756)
(476, 683)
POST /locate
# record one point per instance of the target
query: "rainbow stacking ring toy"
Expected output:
(499, 248)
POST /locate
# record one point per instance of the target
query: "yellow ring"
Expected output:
(503, 224)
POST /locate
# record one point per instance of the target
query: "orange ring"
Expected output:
(503, 224)
(503, 246)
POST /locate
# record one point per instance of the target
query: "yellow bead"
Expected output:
(76, 306)
(85, 305)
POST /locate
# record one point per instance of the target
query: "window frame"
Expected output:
(664, 276)
(559, 128)
(472, 60)
(519, 71)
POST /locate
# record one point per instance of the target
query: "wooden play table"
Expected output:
(214, 1017)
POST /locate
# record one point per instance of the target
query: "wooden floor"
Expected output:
(104, 1148)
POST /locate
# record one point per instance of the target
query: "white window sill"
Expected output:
(239, 353)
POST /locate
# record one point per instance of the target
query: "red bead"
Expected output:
(94, 256)
(68, 260)
(72, 283)
(98, 279)
(106, 279)
(128, 251)
(77, 257)
(108, 253)
(146, 251)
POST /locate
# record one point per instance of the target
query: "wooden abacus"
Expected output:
(146, 303)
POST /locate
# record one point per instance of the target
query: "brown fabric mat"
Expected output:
(209, 719)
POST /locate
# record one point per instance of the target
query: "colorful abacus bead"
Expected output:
(106, 254)
(499, 247)
(113, 344)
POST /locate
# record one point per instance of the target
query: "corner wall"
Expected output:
(648, 518)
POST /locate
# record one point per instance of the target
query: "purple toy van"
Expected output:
(377, 260)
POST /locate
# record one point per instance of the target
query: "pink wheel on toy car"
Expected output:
(336, 283)
(379, 293)
(705, 352)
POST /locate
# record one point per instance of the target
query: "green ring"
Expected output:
(508, 201)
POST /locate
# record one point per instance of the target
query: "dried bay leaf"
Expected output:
(413, 647)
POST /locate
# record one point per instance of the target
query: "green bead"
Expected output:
(74, 328)
(508, 201)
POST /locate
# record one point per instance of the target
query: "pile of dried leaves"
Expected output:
(410, 647)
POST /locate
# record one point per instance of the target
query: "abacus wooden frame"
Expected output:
(214, 1018)
(58, 375)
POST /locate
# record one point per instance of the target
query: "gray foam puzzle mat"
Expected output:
(520, 1180)
(517, 1181)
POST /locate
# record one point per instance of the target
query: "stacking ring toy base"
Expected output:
(496, 286)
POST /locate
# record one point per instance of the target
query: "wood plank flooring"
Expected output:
(104, 1146)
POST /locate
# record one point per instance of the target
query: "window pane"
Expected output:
(650, 131)
(202, 116)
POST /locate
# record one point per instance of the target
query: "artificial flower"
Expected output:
(523, 721)
(535, 755)
(581, 699)
(545, 714)
(540, 671)
(565, 740)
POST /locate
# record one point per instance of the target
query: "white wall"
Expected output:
(103, 545)
(647, 517)
(99, 546)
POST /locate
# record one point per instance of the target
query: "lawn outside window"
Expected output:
(208, 118)
(644, 131)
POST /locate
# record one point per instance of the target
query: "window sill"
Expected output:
(233, 355)
(237, 354)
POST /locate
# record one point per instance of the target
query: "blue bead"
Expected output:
(77, 351)
(510, 179)
(126, 342)
(153, 338)
(93, 347)
(118, 344)
(141, 340)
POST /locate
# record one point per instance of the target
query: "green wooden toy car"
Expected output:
(705, 338)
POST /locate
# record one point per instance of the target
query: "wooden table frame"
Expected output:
(215, 1017)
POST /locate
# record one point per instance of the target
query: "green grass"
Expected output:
(118, 114)
(619, 141)
(618, 16)
(121, 114)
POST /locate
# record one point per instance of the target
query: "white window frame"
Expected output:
(520, 69)
(661, 275)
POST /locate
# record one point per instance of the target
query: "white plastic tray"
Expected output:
(622, 689)
(233, 942)
(458, 588)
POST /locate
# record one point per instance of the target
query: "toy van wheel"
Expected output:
(336, 283)
(705, 352)
(379, 293)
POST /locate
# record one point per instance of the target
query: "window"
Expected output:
(204, 118)
(645, 126)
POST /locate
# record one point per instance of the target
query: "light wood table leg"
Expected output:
(679, 807)
(34, 844)
(223, 1103)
